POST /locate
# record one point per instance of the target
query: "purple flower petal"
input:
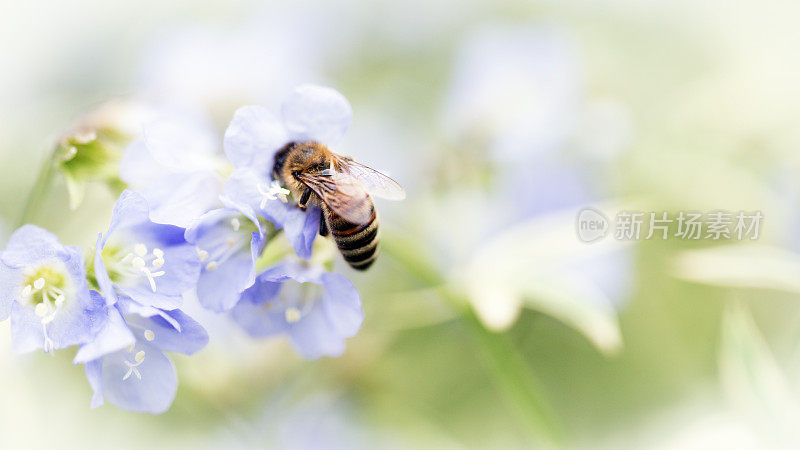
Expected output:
(316, 113)
(252, 137)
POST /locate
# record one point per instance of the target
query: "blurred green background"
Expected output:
(647, 105)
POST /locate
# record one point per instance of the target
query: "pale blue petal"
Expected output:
(316, 113)
(138, 168)
(203, 226)
(242, 208)
(30, 244)
(301, 228)
(313, 336)
(101, 274)
(153, 393)
(293, 271)
(113, 336)
(180, 143)
(187, 338)
(181, 200)
(252, 138)
(144, 295)
(130, 209)
(219, 289)
(10, 280)
(158, 235)
(26, 329)
(182, 268)
(175, 197)
(341, 304)
(94, 373)
(252, 314)
(128, 307)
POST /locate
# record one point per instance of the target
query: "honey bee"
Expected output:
(340, 187)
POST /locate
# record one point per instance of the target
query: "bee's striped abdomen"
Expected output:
(358, 243)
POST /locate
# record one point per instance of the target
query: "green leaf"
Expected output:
(754, 382)
(741, 266)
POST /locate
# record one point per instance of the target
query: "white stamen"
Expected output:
(41, 310)
(235, 224)
(60, 300)
(150, 279)
(26, 291)
(39, 283)
(149, 335)
(272, 192)
(139, 258)
(276, 189)
(71, 152)
(292, 315)
(202, 254)
(140, 249)
(131, 347)
(48, 343)
(212, 265)
(132, 366)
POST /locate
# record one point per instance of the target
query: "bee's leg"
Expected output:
(323, 226)
(304, 199)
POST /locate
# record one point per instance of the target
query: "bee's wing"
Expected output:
(342, 193)
(374, 182)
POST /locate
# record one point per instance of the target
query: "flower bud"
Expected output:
(92, 149)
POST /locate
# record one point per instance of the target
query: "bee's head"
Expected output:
(308, 157)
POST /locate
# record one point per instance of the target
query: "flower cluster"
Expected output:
(191, 219)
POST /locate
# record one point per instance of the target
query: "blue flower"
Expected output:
(174, 165)
(245, 186)
(148, 262)
(43, 289)
(317, 310)
(311, 113)
(125, 363)
(228, 241)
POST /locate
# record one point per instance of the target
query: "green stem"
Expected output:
(38, 191)
(512, 374)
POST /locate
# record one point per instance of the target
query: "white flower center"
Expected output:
(141, 262)
(46, 288)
